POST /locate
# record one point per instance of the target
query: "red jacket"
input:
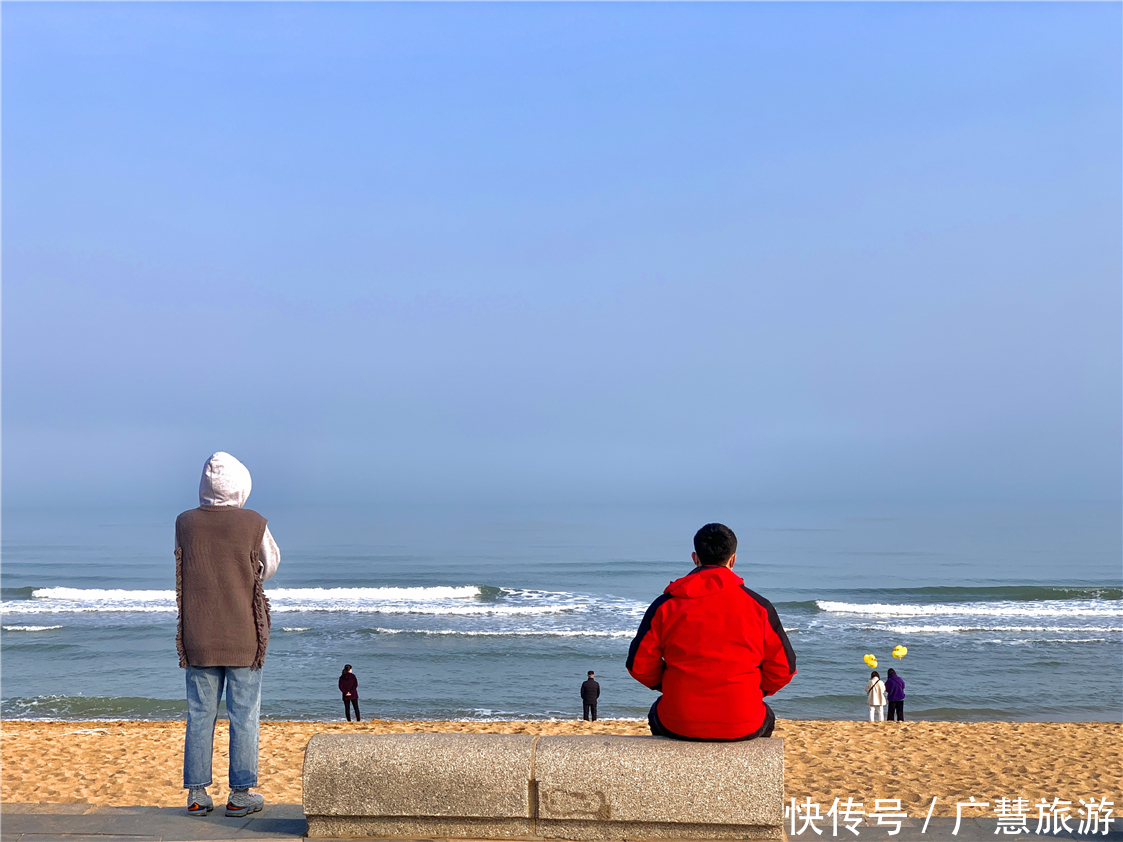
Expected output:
(715, 649)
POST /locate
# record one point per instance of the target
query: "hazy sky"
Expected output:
(572, 252)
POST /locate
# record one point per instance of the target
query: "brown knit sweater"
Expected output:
(223, 611)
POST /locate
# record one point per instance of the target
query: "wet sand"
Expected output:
(140, 763)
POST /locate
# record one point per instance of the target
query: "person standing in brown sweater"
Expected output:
(223, 554)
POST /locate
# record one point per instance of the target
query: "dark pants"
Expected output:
(657, 728)
(347, 705)
(590, 714)
(897, 711)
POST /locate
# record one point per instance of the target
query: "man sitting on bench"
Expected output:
(714, 648)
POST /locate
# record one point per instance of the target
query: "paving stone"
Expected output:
(145, 824)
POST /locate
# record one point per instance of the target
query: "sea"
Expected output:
(487, 612)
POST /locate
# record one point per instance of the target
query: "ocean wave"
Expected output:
(118, 596)
(513, 633)
(16, 593)
(30, 628)
(441, 610)
(468, 611)
(106, 595)
(453, 600)
(91, 708)
(94, 600)
(312, 608)
(1047, 608)
(335, 595)
(295, 628)
(77, 608)
(951, 629)
(999, 593)
(1035, 641)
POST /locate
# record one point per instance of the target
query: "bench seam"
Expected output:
(532, 786)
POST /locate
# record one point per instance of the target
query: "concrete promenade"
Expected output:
(86, 823)
(285, 823)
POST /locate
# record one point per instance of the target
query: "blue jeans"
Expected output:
(243, 704)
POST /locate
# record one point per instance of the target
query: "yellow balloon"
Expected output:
(871, 661)
(900, 651)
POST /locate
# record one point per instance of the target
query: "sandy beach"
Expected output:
(140, 763)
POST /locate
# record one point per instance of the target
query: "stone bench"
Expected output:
(496, 786)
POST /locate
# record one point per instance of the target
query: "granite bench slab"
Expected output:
(496, 786)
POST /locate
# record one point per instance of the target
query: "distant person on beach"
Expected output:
(349, 687)
(714, 648)
(590, 692)
(223, 554)
(875, 695)
(895, 691)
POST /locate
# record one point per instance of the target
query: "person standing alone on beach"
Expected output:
(349, 687)
(875, 696)
(895, 690)
(714, 648)
(223, 554)
(590, 692)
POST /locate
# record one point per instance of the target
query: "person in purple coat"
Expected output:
(895, 689)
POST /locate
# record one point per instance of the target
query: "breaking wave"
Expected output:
(953, 629)
(453, 600)
(1043, 608)
(510, 633)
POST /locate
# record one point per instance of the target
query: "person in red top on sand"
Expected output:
(714, 648)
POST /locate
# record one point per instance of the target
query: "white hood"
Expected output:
(225, 482)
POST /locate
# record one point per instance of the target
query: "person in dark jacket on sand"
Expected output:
(895, 690)
(714, 648)
(590, 692)
(349, 687)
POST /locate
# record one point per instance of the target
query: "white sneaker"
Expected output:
(198, 802)
(242, 802)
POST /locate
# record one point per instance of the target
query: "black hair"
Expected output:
(714, 543)
(590, 673)
(874, 674)
(892, 671)
(345, 668)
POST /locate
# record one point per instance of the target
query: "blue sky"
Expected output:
(563, 252)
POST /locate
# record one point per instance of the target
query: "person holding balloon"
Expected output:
(891, 691)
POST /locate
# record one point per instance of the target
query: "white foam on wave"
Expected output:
(952, 629)
(128, 597)
(1042, 608)
(30, 628)
(104, 595)
(295, 628)
(1037, 642)
(308, 608)
(459, 611)
(524, 633)
(30, 607)
(332, 595)
(454, 600)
